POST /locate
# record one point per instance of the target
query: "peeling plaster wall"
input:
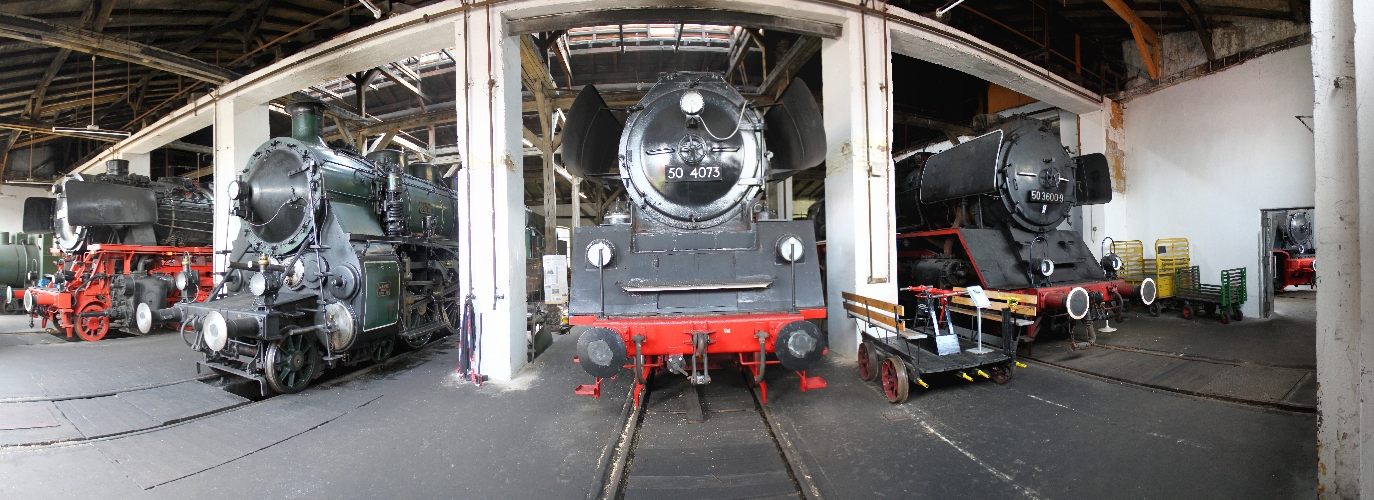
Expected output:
(1203, 157)
(1230, 35)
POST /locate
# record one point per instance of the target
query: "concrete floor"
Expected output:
(412, 429)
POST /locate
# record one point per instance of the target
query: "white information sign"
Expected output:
(980, 298)
(555, 279)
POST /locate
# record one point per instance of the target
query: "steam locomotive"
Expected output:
(336, 258)
(694, 273)
(987, 212)
(1295, 256)
(123, 241)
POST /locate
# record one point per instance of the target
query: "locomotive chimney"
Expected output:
(307, 120)
(117, 167)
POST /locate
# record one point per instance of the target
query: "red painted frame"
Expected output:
(1296, 271)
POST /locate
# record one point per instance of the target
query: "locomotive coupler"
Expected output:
(700, 342)
(763, 355)
(639, 359)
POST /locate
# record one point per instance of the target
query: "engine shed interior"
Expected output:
(634, 248)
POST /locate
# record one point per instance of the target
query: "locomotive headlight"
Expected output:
(691, 103)
(238, 190)
(9, 294)
(257, 285)
(182, 280)
(215, 331)
(791, 248)
(600, 253)
(1046, 267)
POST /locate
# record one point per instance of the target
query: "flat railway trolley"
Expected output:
(934, 343)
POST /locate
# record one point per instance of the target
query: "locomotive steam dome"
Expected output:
(693, 153)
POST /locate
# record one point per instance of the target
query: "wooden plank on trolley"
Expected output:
(1004, 296)
(996, 306)
(876, 317)
(874, 303)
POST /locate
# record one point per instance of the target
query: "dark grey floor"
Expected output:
(1287, 338)
(412, 429)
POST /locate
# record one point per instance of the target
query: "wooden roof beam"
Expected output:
(797, 56)
(403, 83)
(40, 31)
(1204, 33)
(532, 71)
(1145, 38)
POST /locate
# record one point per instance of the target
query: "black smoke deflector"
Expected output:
(796, 132)
(1094, 179)
(968, 169)
(591, 136)
(99, 204)
(38, 214)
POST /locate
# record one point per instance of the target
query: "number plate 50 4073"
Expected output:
(686, 174)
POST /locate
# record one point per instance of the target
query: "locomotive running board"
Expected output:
(683, 286)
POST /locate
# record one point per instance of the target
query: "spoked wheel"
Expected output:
(291, 363)
(868, 362)
(452, 312)
(895, 383)
(383, 350)
(1002, 373)
(418, 342)
(1155, 309)
(92, 328)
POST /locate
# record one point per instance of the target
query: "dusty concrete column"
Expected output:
(491, 199)
(240, 127)
(1364, 71)
(1340, 338)
(860, 244)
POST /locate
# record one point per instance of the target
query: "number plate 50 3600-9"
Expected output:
(1046, 197)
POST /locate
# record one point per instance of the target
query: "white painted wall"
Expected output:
(12, 206)
(1202, 158)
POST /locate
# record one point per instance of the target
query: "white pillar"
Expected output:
(240, 127)
(139, 163)
(860, 222)
(1361, 318)
(491, 197)
(1340, 337)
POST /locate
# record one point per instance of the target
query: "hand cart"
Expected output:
(1171, 254)
(1224, 299)
(900, 355)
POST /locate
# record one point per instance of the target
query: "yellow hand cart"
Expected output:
(1170, 255)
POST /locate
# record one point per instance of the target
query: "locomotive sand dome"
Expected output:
(337, 257)
(693, 274)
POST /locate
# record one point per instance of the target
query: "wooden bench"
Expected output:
(1023, 307)
(878, 314)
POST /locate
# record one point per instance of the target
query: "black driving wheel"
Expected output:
(290, 363)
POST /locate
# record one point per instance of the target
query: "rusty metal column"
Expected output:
(1341, 340)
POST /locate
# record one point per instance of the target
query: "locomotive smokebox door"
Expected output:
(1094, 179)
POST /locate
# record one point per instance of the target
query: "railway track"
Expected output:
(712, 441)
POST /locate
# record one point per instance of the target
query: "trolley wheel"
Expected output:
(1002, 373)
(290, 363)
(1236, 314)
(868, 362)
(1186, 311)
(895, 383)
(1155, 309)
(92, 328)
(1225, 317)
(1212, 309)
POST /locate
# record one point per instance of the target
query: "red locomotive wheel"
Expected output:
(895, 383)
(868, 362)
(92, 328)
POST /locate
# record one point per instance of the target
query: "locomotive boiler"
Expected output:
(988, 212)
(336, 257)
(694, 273)
(122, 240)
(1295, 255)
(24, 261)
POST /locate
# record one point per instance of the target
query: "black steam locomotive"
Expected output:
(988, 212)
(1295, 254)
(694, 271)
(123, 240)
(337, 257)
